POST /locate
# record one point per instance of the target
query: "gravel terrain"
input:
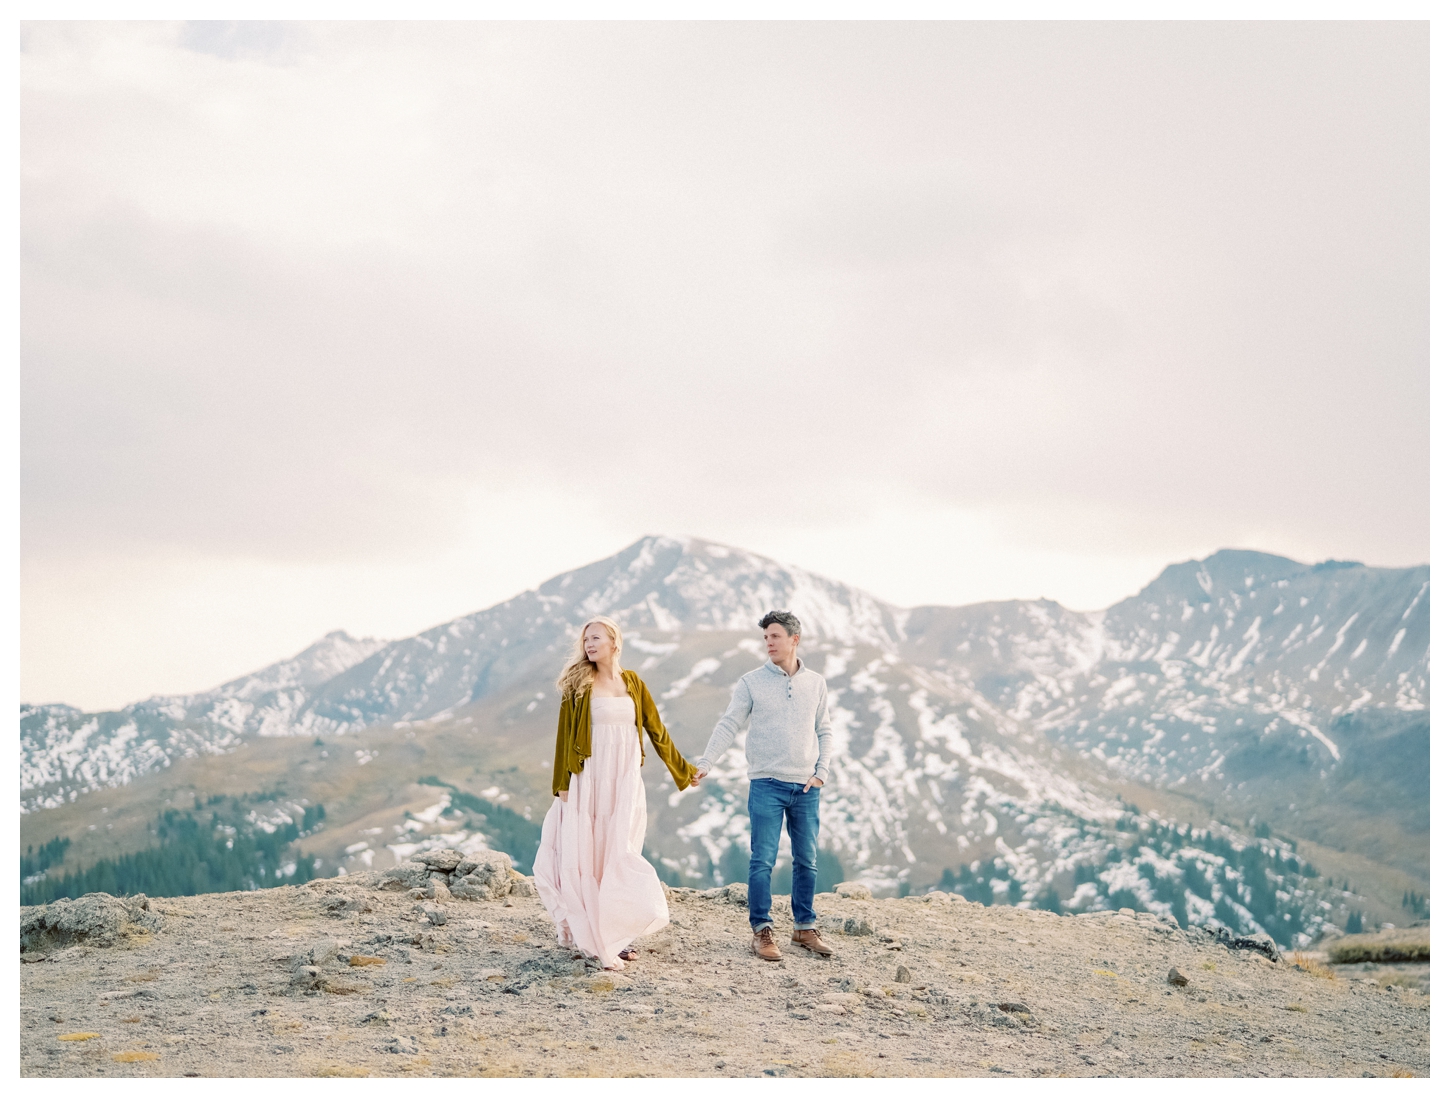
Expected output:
(342, 977)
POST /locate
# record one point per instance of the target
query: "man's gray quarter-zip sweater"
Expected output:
(790, 728)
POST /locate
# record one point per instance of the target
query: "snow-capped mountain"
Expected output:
(1211, 657)
(986, 737)
(1164, 686)
(65, 752)
(342, 684)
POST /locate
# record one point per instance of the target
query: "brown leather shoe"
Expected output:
(811, 940)
(763, 945)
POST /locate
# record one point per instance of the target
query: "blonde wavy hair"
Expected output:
(578, 673)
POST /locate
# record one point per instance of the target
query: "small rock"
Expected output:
(320, 952)
(903, 974)
(435, 913)
(1013, 1008)
(96, 919)
(402, 878)
(405, 1046)
(1260, 944)
(737, 893)
(130, 993)
(340, 906)
(376, 1018)
(492, 878)
(853, 890)
(307, 977)
(859, 927)
(848, 984)
(1176, 978)
(444, 861)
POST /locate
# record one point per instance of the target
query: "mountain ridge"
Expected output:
(344, 683)
(991, 740)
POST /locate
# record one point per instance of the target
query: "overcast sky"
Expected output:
(369, 326)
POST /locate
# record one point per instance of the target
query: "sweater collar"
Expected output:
(770, 666)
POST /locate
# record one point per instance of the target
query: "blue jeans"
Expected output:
(770, 800)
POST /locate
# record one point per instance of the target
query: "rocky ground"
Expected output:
(399, 974)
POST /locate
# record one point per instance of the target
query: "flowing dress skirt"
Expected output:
(591, 876)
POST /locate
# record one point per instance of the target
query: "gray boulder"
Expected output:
(489, 879)
(96, 919)
(445, 861)
(402, 878)
(1259, 943)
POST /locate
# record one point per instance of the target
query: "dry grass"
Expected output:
(340, 1071)
(1397, 979)
(1385, 947)
(1312, 965)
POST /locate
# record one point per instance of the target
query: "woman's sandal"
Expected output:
(629, 953)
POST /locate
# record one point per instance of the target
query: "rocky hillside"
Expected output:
(1015, 752)
(370, 975)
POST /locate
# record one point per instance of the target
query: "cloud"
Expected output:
(306, 293)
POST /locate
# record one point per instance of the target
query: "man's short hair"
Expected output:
(783, 618)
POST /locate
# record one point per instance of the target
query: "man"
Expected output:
(787, 758)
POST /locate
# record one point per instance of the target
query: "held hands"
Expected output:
(814, 783)
(564, 795)
(696, 778)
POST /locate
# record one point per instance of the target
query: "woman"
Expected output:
(591, 877)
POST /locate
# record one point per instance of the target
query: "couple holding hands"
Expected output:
(590, 871)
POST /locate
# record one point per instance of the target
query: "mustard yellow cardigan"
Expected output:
(575, 743)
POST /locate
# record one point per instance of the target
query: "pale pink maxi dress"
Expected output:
(591, 876)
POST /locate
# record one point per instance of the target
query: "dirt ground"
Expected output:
(338, 978)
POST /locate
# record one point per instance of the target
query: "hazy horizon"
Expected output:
(370, 325)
